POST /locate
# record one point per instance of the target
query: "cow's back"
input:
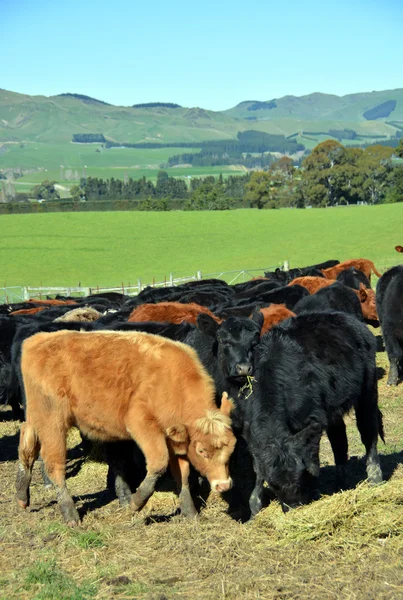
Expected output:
(98, 378)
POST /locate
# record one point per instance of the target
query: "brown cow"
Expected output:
(273, 314)
(312, 284)
(399, 248)
(170, 312)
(121, 386)
(362, 264)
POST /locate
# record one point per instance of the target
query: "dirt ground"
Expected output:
(347, 545)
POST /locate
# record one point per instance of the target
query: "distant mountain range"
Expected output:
(367, 116)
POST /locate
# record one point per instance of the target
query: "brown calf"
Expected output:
(362, 264)
(171, 312)
(368, 303)
(399, 248)
(312, 284)
(121, 386)
(273, 314)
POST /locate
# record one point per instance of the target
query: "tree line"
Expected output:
(331, 175)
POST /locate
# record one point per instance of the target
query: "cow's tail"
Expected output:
(28, 452)
(377, 273)
(380, 426)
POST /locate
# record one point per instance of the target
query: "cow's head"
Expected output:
(292, 465)
(236, 338)
(368, 304)
(211, 443)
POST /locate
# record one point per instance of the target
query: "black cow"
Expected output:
(389, 304)
(310, 370)
(333, 297)
(353, 277)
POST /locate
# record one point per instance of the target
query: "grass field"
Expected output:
(345, 546)
(107, 249)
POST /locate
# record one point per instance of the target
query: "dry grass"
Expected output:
(347, 545)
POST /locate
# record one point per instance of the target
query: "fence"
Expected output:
(14, 294)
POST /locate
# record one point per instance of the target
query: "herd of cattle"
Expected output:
(205, 374)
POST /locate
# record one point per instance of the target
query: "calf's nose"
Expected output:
(243, 369)
(222, 486)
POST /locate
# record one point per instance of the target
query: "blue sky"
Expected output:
(212, 54)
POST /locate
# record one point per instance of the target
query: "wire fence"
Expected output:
(10, 295)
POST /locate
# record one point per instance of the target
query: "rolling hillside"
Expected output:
(36, 131)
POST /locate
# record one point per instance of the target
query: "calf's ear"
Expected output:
(207, 324)
(362, 292)
(177, 433)
(226, 404)
(308, 434)
(258, 318)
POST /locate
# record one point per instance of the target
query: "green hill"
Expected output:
(36, 132)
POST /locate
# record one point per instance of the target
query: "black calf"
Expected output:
(310, 370)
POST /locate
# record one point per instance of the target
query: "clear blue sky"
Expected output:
(212, 54)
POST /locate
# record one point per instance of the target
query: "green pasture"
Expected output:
(34, 155)
(109, 248)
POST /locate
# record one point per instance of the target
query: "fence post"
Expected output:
(171, 279)
(286, 266)
(199, 275)
(139, 285)
(26, 293)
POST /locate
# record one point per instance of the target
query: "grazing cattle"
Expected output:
(273, 314)
(310, 370)
(353, 277)
(362, 264)
(288, 295)
(85, 314)
(154, 391)
(389, 301)
(170, 312)
(312, 284)
(399, 248)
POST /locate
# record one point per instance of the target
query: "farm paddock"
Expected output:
(347, 545)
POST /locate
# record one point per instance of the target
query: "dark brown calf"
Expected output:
(122, 386)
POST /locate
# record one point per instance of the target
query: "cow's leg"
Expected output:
(394, 351)
(151, 440)
(256, 497)
(28, 452)
(180, 469)
(393, 375)
(53, 452)
(126, 469)
(336, 432)
(368, 423)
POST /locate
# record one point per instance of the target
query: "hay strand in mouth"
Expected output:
(248, 386)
